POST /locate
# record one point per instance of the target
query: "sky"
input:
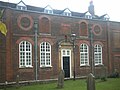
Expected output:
(110, 7)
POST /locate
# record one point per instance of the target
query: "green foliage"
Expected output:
(103, 78)
(110, 84)
(1, 13)
(115, 74)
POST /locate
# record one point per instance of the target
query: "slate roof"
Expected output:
(55, 11)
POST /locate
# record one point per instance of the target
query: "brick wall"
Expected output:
(58, 25)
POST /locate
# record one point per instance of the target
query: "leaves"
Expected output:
(1, 13)
(3, 28)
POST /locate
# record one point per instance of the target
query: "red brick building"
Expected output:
(42, 41)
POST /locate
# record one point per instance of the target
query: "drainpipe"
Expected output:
(35, 47)
(73, 38)
(91, 49)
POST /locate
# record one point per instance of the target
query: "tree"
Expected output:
(3, 28)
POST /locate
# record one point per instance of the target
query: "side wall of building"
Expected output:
(114, 45)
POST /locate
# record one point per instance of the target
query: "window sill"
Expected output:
(45, 66)
(26, 67)
(84, 65)
(45, 34)
(99, 65)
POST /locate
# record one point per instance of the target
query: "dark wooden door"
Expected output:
(66, 66)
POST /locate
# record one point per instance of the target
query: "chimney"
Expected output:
(91, 8)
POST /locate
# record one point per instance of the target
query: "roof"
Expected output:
(55, 11)
(21, 2)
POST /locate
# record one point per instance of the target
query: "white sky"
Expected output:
(110, 7)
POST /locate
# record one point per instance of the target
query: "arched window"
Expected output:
(44, 25)
(84, 56)
(98, 54)
(45, 54)
(25, 54)
(83, 29)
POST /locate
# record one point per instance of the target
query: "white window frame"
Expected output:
(88, 16)
(21, 7)
(98, 54)
(48, 10)
(67, 14)
(84, 55)
(106, 17)
(25, 53)
(43, 50)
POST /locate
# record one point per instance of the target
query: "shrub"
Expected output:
(115, 74)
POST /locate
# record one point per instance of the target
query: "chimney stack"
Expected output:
(91, 8)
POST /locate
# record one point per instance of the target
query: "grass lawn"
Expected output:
(110, 84)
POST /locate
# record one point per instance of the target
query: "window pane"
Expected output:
(68, 52)
(25, 53)
(98, 54)
(45, 51)
(83, 54)
(63, 52)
